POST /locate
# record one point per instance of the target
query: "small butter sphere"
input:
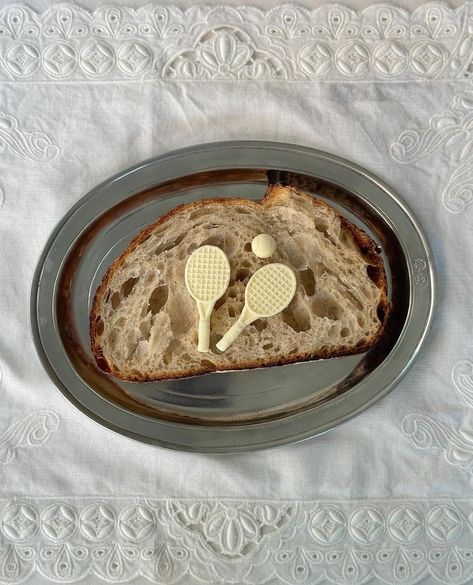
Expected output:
(263, 245)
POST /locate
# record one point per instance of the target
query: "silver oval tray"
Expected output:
(231, 411)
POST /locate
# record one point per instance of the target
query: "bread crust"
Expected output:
(366, 245)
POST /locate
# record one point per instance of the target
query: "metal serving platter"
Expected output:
(241, 410)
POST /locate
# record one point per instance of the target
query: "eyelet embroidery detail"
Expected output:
(97, 522)
(137, 522)
(20, 522)
(430, 433)
(450, 130)
(225, 53)
(234, 541)
(58, 522)
(67, 42)
(31, 431)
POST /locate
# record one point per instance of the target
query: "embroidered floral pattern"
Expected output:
(35, 146)
(243, 43)
(255, 542)
(229, 529)
(429, 433)
(452, 130)
(31, 431)
(225, 53)
(97, 522)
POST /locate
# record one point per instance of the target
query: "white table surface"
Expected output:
(385, 497)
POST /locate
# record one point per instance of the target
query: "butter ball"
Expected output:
(263, 245)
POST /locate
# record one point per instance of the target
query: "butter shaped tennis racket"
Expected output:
(268, 292)
(207, 275)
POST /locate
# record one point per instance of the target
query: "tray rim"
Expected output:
(209, 148)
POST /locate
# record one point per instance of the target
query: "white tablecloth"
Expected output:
(385, 496)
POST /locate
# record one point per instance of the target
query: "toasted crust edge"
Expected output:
(366, 245)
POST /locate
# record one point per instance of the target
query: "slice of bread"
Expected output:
(143, 323)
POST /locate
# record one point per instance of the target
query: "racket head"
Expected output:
(207, 273)
(270, 289)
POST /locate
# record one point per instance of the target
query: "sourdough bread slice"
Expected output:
(143, 323)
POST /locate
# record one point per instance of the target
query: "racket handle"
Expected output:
(204, 335)
(231, 334)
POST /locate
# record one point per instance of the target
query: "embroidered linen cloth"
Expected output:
(83, 95)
